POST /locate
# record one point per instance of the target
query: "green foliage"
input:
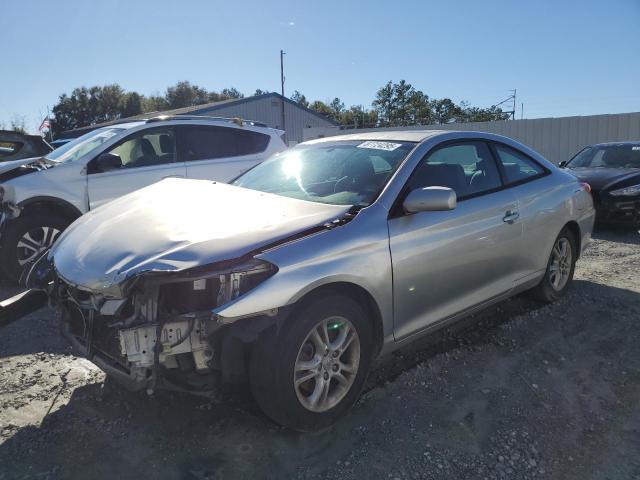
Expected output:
(398, 104)
(17, 124)
(231, 93)
(300, 99)
(321, 107)
(89, 106)
(395, 104)
(183, 94)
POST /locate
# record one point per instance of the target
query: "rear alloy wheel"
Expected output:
(25, 239)
(560, 268)
(310, 372)
(561, 264)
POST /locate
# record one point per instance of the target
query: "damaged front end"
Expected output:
(162, 331)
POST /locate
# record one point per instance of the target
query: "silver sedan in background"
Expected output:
(304, 269)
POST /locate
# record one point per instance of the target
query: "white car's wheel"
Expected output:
(26, 238)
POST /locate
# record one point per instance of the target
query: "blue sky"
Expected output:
(564, 57)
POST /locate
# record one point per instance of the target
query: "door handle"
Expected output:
(511, 216)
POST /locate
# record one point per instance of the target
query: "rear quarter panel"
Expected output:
(546, 205)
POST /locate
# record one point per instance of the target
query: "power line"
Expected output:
(510, 98)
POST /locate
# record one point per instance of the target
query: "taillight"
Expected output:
(585, 186)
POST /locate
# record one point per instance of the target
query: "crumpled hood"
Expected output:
(13, 164)
(601, 178)
(177, 224)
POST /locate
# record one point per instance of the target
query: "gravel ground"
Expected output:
(519, 391)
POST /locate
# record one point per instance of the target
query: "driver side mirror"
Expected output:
(108, 161)
(430, 199)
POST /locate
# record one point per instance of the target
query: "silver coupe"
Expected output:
(300, 272)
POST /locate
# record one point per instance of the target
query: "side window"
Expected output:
(251, 142)
(202, 143)
(146, 148)
(516, 165)
(467, 168)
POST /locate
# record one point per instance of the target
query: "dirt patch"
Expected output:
(519, 391)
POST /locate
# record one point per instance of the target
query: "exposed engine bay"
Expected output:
(163, 331)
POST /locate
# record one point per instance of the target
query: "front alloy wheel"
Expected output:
(327, 364)
(34, 242)
(25, 238)
(308, 372)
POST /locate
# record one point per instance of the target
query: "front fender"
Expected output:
(355, 253)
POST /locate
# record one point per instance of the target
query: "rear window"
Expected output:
(202, 142)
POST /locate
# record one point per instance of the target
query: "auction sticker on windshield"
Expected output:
(380, 145)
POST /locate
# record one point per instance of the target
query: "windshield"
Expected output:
(75, 149)
(340, 173)
(608, 156)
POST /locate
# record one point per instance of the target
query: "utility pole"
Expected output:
(282, 91)
(521, 111)
(513, 111)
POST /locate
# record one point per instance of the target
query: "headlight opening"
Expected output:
(215, 289)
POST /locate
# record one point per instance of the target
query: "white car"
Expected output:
(40, 197)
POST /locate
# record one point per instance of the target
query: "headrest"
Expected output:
(146, 147)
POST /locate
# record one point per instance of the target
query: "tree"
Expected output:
(337, 109)
(445, 111)
(131, 104)
(321, 108)
(154, 103)
(402, 92)
(184, 94)
(18, 124)
(259, 91)
(231, 93)
(476, 114)
(419, 108)
(300, 99)
(87, 106)
(383, 103)
(106, 102)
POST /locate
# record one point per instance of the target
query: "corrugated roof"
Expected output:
(195, 109)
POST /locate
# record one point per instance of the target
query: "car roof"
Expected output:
(608, 144)
(125, 125)
(398, 135)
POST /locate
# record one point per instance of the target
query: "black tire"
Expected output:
(274, 358)
(15, 231)
(545, 291)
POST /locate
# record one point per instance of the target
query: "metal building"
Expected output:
(265, 108)
(557, 139)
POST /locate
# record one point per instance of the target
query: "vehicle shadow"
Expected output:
(107, 432)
